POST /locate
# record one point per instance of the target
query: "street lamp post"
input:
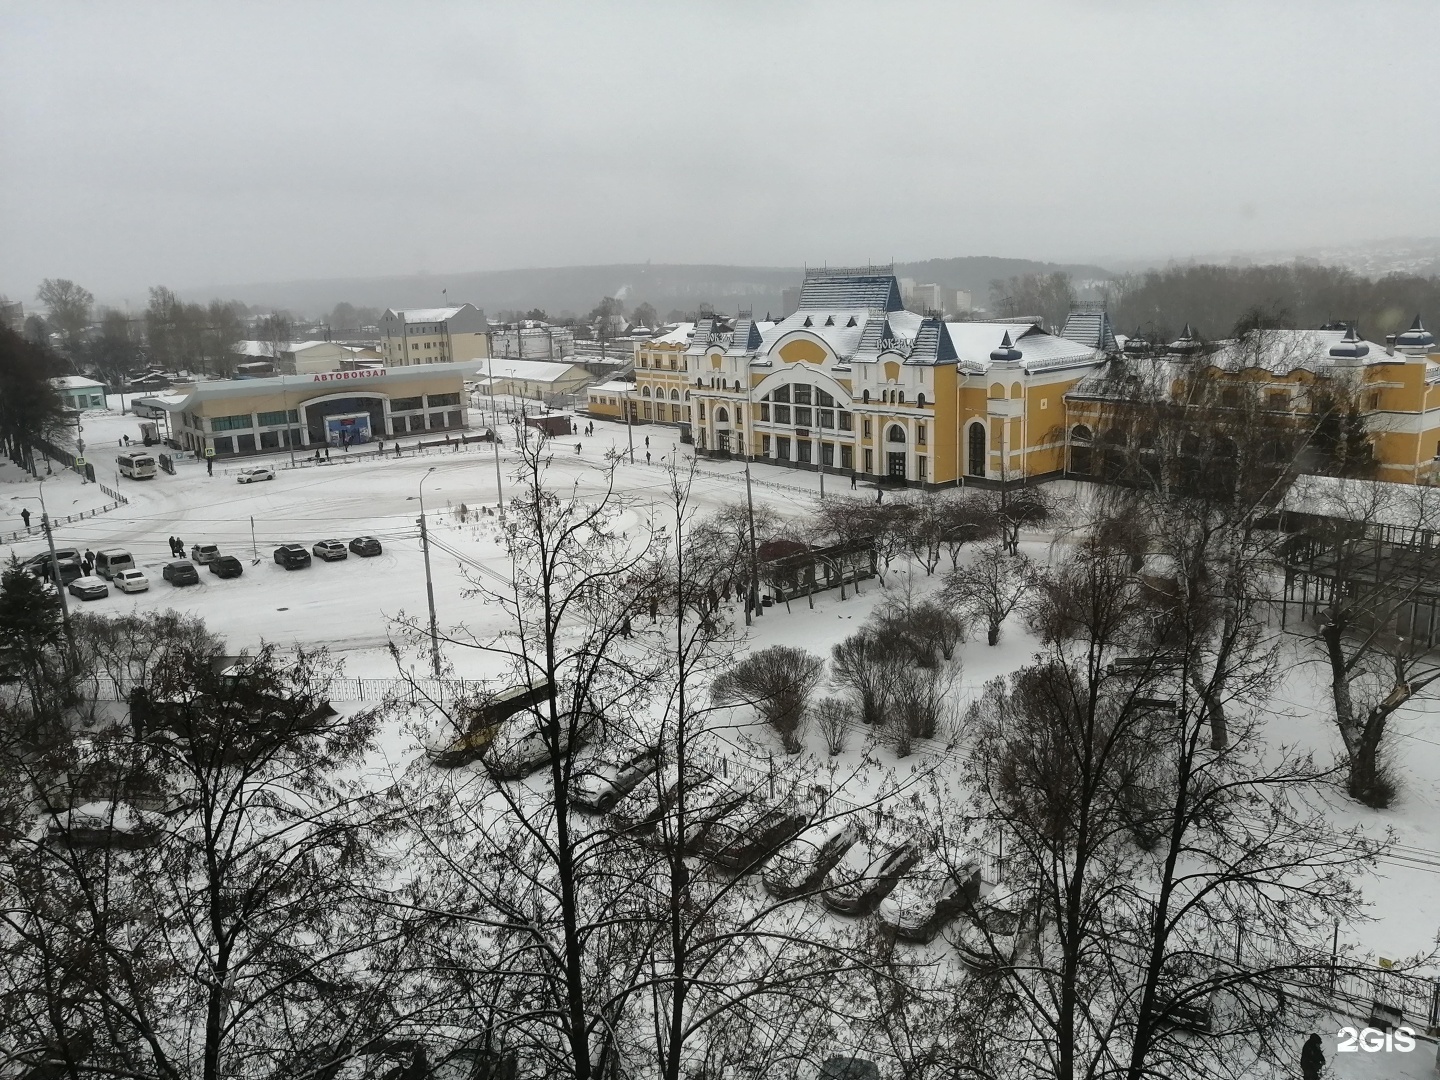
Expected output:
(495, 433)
(54, 567)
(429, 581)
(754, 599)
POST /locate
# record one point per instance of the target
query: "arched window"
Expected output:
(1081, 451)
(920, 399)
(1016, 390)
(866, 397)
(902, 397)
(687, 395)
(975, 460)
(721, 415)
(896, 434)
(675, 395)
(645, 391)
(997, 390)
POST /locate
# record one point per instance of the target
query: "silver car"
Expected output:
(929, 896)
(988, 935)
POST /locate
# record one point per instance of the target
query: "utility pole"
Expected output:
(820, 448)
(754, 599)
(495, 432)
(59, 584)
(429, 582)
(630, 438)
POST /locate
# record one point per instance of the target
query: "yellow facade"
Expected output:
(660, 378)
(854, 383)
(1396, 388)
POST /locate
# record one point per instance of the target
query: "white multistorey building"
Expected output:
(434, 336)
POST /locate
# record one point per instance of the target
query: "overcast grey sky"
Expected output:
(198, 144)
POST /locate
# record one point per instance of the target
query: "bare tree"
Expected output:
(834, 717)
(69, 306)
(990, 588)
(1365, 566)
(1165, 875)
(778, 682)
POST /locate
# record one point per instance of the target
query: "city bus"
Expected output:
(137, 465)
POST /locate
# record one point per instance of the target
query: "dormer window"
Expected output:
(807, 321)
(830, 320)
(851, 322)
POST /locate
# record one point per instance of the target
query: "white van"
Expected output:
(111, 561)
(137, 465)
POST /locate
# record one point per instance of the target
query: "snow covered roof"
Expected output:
(432, 314)
(1090, 325)
(75, 382)
(529, 370)
(614, 386)
(1374, 502)
(253, 348)
(827, 289)
(1284, 351)
(680, 334)
(1039, 350)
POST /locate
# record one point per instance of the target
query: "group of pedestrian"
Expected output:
(177, 548)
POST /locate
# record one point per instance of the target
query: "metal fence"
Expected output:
(38, 530)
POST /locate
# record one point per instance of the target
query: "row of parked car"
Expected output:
(854, 871)
(116, 566)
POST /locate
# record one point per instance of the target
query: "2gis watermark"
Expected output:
(1375, 1040)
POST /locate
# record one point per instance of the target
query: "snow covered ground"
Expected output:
(348, 605)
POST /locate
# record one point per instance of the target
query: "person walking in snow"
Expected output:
(1312, 1058)
(25, 516)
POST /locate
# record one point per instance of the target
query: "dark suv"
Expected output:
(227, 566)
(365, 546)
(181, 572)
(292, 556)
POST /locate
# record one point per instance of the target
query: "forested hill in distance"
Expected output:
(577, 289)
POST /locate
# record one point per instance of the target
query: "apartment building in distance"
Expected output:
(448, 335)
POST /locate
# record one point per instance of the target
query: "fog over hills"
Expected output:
(577, 289)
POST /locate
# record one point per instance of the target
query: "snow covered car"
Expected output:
(365, 546)
(929, 896)
(330, 550)
(646, 810)
(181, 572)
(253, 474)
(204, 554)
(738, 843)
(988, 935)
(131, 581)
(802, 864)
(602, 784)
(43, 566)
(867, 873)
(518, 759)
(89, 588)
(102, 824)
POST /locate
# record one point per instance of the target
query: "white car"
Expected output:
(129, 581)
(254, 473)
